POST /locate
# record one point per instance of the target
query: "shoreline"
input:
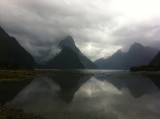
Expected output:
(9, 113)
(20, 75)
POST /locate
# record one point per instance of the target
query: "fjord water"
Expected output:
(73, 95)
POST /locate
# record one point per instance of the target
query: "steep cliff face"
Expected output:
(70, 57)
(12, 54)
(154, 65)
(156, 61)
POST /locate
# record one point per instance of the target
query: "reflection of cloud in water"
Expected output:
(96, 99)
(137, 84)
(120, 102)
(95, 87)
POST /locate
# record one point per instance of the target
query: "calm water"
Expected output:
(104, 95)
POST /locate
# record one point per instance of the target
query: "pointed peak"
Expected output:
(137, 45)
(69, 38)
(67, 42)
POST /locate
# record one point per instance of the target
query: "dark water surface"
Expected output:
(104, 95)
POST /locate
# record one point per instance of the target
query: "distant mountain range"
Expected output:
(136, 56)
(70, 57)
(154, 65)
(13, 55)
(155, 61)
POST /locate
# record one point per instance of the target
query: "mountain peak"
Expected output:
(136, 56)
(67, 42)
(136, 45)
(70, 57)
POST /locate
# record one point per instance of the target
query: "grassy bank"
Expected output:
(9, 113)
(19, 75)
(10, 75)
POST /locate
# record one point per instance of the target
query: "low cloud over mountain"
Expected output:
(99, 27)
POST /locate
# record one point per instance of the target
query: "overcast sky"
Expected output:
(99, 27)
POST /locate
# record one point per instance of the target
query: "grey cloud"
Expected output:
(142, 33)
(40, 25)
(45, 24)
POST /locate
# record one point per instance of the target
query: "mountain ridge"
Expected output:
(13, 55)
(154, 65)
(136, 55)
(71, 55)
(156, 60)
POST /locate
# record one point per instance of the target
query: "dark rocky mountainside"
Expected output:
(156, 61)
(154, 65)
(116, 61)
(12, 54)
(67, 59)
(70, 57)
(136, 56)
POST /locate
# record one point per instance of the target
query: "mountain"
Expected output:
(70, 57)
(137, 87)
(10, 91)
(136, 56)
(70, 84)
(12, 54)
(139, 55)
(113, 62)
(156, 61)
(154, 65)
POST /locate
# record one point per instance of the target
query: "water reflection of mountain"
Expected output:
(69, 84)
(9, 90)
(62, 84)
(137, 85)
(155, 78)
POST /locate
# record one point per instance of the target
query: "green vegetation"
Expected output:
(10, 75)
(19, 75)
